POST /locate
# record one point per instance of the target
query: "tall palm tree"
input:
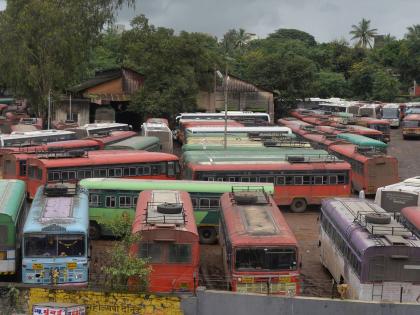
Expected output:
(363, 33)
(243, 38)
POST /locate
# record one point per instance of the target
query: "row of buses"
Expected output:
(49, 243)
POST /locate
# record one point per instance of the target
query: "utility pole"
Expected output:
(226, 106)
(70, 115)
(49, 109)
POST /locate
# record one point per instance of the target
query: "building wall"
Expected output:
(80, 109)
(110, 87)
(102, 303)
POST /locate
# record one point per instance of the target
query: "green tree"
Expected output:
(331, 84)
(124, 265)
(363, 33)
(385, 87)
(175, 67)
(108, 52)
(285, 34)
(49, 43)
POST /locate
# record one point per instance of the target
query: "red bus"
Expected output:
(169, 239)
(260, 252)
(376, 124)
(371, 169)
(298, 181)
(47, 168)
(110, 137)
(410, 218)
(14, 166)
(411, 126)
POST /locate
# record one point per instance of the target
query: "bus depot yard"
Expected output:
(206, 207)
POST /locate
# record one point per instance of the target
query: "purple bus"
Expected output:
(364, 247)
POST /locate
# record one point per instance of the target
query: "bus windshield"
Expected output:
(266, 259)
(379, 127)
(411, 123)
(390, 113)
(51, 245)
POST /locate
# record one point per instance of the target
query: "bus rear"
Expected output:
(260, 252)
(411, 126)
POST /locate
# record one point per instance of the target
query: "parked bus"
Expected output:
(15, 166)
(376, 124)
(260, 252)
(298, 180)
(89, 130)
(161, 131)
(392, 114)
(12, 217)
(55, 237)
(370, 168)
(169, 239)
(151, 144)
(258, 131)
(35, 137)
(410, 218)
(157, 121)
(403, 194)
(108, 138)
(193, 123)
(364, 247)
(370, 110)
(362, 141)
(113, 163)
(110, 198)
(411, 126)
(247, 118)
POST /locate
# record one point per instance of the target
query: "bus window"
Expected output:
(93, 200)
(171, 169)
(125, 202)
(151, 251)
(204, 203)
(3, 234)
(179, 253)
(110, 202)
(266, 259)
(215, 203)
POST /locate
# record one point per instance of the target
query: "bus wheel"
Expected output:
(94, 231)
(298, 205)
(207, 235)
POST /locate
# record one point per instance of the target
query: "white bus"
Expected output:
(247, 118)
(35, 137)
(391, 112)
(160, 130)
(394, 197)
(90, 130)
(274, 131)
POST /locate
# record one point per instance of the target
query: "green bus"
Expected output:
(151, 144)
(111, 198)
(268, 154)
(363, 141)
(12, 218)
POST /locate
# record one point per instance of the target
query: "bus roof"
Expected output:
(352, 151)
(412, 117)
(362, 140)
(350, 215)
(134, 143)
(12, 192)
(113, 136)
(184, 185)
(148, 217)
(233, 146)
(412, 214)
(410, 185)
(68, 214)
(107, 157)
(267, 129)
(257, 223)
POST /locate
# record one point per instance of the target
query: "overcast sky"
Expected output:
(325, 19)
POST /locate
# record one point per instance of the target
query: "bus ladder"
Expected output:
(375, 288)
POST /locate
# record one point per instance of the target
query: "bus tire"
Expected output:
(94, 231)
(377, 218)
(298, 205)
(207, 235)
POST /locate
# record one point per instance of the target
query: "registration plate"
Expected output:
(284, 279)
(37, 266)
(2, 255)
(247, 279)
(72, 265)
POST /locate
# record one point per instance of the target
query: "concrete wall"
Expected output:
(227, 303)
(109, 303)
(80, 109)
